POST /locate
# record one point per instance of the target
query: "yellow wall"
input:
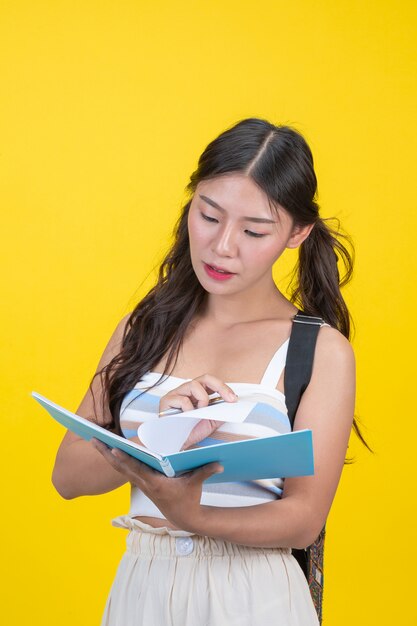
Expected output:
(105, 107)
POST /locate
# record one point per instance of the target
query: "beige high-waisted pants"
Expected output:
(173, 578)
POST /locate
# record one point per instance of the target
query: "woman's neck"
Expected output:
(238, 308)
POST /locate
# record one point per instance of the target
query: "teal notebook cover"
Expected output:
(278, 456)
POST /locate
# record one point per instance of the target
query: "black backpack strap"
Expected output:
(299, 363)
(298, 369)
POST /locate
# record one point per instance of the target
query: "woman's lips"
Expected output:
(217, 273)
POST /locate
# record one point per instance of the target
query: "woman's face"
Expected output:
(234, 237)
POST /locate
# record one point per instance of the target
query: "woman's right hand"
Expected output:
(195, 394)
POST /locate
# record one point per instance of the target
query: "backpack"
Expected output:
(298, 368)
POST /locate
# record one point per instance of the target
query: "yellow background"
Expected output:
(105, 108)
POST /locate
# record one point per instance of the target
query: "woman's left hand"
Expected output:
(177, 498)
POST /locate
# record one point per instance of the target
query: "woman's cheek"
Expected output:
(198, 232)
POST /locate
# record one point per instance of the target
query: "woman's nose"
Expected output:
(225, 243)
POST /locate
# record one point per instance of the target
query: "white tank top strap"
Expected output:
(277, 363)
(275, 367)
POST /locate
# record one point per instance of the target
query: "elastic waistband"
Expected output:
(130, 523)
(165, 542)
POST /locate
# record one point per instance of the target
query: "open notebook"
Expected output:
(280, 455)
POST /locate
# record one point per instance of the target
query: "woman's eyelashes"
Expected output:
(208, 218)
(250, 233)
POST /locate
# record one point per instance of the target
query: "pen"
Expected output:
(212, 401)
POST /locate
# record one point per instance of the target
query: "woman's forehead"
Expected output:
(233, 192)
(238, 194)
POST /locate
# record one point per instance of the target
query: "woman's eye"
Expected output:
(208, 218)
(213, 220)
(252, 234)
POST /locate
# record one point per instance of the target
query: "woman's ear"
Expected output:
(298, 235)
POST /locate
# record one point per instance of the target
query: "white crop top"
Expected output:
(137, 409)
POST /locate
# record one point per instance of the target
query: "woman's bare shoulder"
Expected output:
(114, 344)
(333, 377)
(94, 394)
(333, 347)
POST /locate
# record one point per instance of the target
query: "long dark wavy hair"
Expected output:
(279, 161)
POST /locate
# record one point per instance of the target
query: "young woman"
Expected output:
(221, 554)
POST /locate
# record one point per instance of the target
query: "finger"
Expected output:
(215, 385)
(185, 397)
(123, 463)
(203, 429)
(198, 393)
(110, 454)
(177, 401)
(205, 471)
(101, 447)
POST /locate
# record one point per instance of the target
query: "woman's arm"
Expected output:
(327, 408)
(79, 469)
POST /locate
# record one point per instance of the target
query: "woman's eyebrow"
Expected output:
(257, 220)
